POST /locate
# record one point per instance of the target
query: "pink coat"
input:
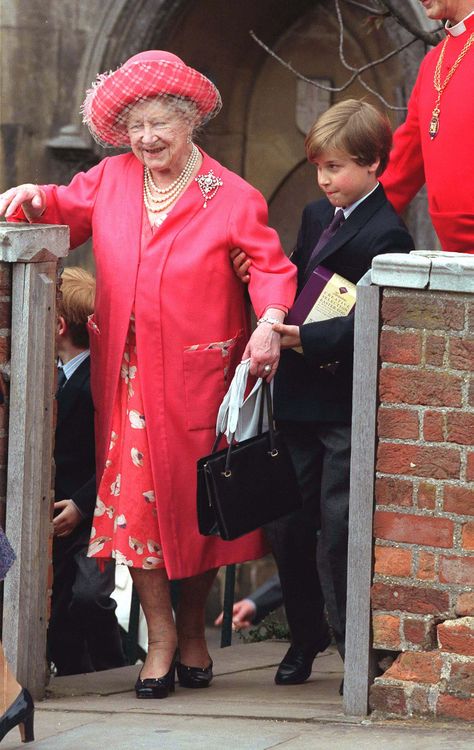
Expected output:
(186, 296)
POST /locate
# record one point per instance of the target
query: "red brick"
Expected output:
(420, 600)
(5, 348)
(456, 569)
(470, 467)
(457, 636)
(435, 348)
(426, 387)
(426, 496)
(390, 561)
(465, 604)
(426, 566)
(424, 312)
(5, 313)
(450, 707)
(5, 279)
(460, 428)
(461, 354)
(470, 316)
(398, 423)
(458, 499)
(468, 535)
(434, 426)
(471, 392)
(391, 491)
(461, 679)
(387, 699)
(413, 666)
(386, 632)
(433, 462)
(420, 633)
(400, 347)
(406, 527)
(419, 702)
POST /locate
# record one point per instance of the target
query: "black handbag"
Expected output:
(248, 484)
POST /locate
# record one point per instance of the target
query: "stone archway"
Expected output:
(257, 134)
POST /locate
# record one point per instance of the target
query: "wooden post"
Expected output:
(359, 661)
(34, 251)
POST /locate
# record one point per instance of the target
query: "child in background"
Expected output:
(83, 634)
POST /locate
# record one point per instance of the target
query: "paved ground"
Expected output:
(242, 710)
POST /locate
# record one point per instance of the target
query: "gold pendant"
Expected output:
(434, 124)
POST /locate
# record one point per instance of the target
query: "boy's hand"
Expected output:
(242, 614)
(241, 264)
(67, 520)
(290, 335)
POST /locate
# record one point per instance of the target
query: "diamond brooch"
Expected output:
(209, 184)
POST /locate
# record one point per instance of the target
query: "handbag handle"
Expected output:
(267, 400)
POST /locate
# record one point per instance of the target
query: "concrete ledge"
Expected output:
(421, 269)
(32, 243)
(402, 270)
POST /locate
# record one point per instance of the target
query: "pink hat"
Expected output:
(143, 76)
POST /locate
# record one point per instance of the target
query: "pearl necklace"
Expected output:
(158, 199)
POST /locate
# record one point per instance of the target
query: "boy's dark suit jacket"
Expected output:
(304, 389)
(74, 446)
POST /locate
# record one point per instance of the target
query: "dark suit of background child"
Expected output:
(83, 632)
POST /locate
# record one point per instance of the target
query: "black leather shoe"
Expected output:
(297, 663)
(156, 687)
(20, 714)
(194, 677)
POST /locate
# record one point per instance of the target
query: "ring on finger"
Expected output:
(267, 368)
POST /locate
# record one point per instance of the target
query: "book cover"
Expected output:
(325, 295)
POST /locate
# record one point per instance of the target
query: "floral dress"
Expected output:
(125, 525)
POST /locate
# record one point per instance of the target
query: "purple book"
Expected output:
(325, 295)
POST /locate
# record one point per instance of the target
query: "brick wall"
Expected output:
(422, 594)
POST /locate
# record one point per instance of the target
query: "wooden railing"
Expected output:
(34, 252)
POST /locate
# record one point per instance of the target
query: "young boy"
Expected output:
(83, 632)
(349, 145)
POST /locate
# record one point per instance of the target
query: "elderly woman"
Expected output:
(170, 326)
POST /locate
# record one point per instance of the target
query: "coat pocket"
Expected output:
(208, 369)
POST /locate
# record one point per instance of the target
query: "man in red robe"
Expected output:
(434, 144)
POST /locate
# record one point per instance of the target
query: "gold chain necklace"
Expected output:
(440, 87)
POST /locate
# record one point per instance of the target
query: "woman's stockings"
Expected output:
(10, 687)
(154, 594)
(190, 619)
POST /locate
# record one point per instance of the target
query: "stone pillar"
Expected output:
(29, 256)
(423, 583)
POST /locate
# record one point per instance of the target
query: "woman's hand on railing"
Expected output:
(30, 197)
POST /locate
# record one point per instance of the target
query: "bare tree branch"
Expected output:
(384, 9)
(367, 8)
(428, 37)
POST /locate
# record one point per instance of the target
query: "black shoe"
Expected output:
(297, 663)
(20, 714)
(194, 677)
(157, 687)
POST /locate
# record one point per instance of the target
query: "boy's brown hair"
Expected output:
(354, 127)
(76, 303)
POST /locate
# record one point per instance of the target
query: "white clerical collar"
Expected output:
(349, 209)
(458, 28)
